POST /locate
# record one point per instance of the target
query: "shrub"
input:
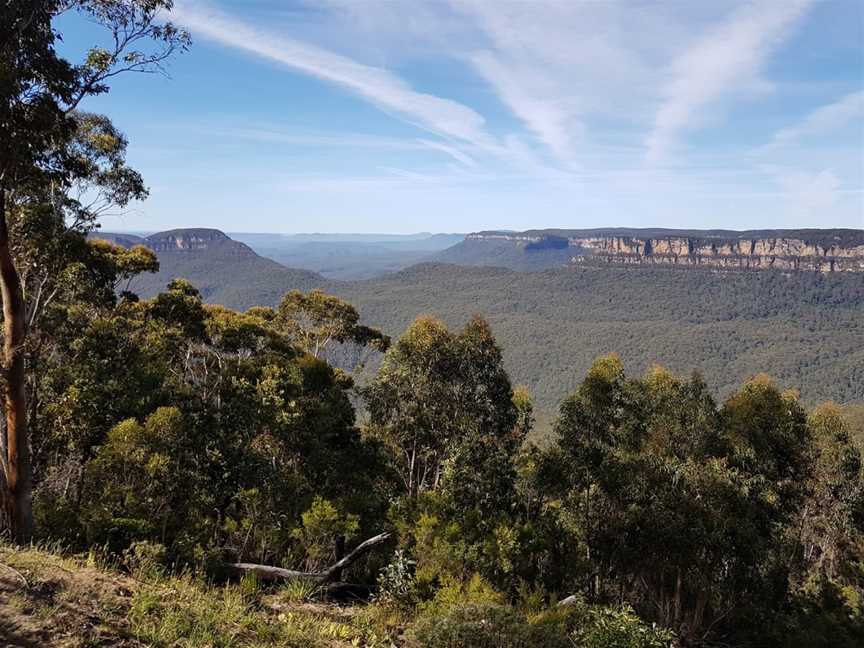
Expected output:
(487, 625)
(323, 524)
(145, 556)
(606, 627)
(397, 585)
(300, 590)
(475, 591)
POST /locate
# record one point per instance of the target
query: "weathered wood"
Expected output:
(358, 551)
(270, 573)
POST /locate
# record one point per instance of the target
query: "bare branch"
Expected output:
(269, 573)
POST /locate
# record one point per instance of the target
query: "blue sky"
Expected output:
(462, 115)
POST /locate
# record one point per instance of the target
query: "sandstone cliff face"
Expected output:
(517, 238)
(187, 239)
(198, 241)
(782, 253)
(753, 254)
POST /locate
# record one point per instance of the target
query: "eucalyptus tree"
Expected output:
(440, 394)
(53, 156)
(683, 508)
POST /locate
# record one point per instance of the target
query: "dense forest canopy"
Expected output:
(177, 439)
(803, 328)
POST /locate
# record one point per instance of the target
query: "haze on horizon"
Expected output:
(466, 115)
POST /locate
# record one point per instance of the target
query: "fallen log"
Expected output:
(270, 573)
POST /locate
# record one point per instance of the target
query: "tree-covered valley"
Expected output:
(202, 447)
(802, 328)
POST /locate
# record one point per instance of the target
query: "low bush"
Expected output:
(608, 627)
(487, 625)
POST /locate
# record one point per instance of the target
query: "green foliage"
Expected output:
(607, 627)
(167, 432)
(200, 429)
(487, 625)
(802, 328)
(300, 590)
(827, 615)
(197, 434)
(690, 510)
(315, 320)
(324, 525)
(145, 557)
(437, 428)
(454, 592)
(397, 584)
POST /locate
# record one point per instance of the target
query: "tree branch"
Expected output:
(270, 573)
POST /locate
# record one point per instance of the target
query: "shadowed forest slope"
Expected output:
(806, 330)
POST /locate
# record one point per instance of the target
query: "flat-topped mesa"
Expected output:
(502, 236)
(185, 239)
(809, 250)
(744, 254)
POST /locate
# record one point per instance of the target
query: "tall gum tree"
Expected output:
(44, 160)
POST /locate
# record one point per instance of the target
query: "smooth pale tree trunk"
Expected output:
(18, 490)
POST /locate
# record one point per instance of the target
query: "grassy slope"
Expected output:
(49, 601)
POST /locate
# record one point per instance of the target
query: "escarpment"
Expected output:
(188, 240)
(803, 250)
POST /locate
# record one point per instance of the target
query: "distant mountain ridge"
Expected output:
(193, 238)
(349, 256)
(846, 236)
(224, 270)
(821, 250)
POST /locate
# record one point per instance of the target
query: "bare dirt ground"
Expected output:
(44, 603)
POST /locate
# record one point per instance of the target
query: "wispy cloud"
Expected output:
(379, 86)
(554, 63)
(822, 120)
(548, 107)
(552, 120)
(268, 135)
(715, 66)
(452, 151)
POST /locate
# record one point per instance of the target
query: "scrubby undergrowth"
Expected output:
(54, 601)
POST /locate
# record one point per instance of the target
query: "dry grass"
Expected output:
(51, 601)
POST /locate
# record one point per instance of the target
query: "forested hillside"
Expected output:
(803, 328)
(503, 254)
(224, 270)
(807, 330)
